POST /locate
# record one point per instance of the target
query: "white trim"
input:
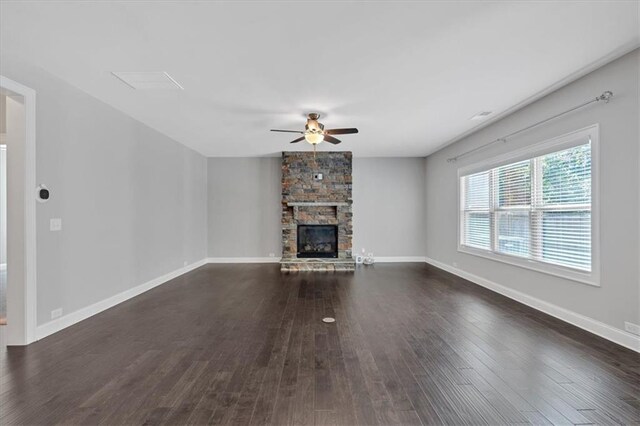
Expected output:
(591, 325)
(532, 265)
(616, 54)
(386, 259)
(75, 317)
(243, 260)
(25, 328)
(3, 266)
(68, 320)
(399, 259)
(557, 143)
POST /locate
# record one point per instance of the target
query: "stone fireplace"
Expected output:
(317, 223)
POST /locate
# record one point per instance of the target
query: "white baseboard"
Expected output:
(393, 259)
(67, 320)
(3, 266)
(400, 259)
(243, 260)
(589, 324)
(386, 259)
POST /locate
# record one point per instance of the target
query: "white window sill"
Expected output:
(589, 278)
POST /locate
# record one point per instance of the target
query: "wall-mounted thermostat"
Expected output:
(317, 176)
(43, 194)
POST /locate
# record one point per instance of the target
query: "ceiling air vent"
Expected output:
(481, 115)
(150, 80)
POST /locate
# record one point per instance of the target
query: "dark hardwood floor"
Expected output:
(244, 344)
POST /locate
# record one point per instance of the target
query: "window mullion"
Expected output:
(536, 212)
(493, 204)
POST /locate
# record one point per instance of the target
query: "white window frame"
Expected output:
(559, 143)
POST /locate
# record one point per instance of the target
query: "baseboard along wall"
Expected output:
(243, 260)
(598, 328)
(387, 259)
(69, 319)
(591, 325)
(72, 318)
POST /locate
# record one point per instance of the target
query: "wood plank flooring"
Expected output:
(244, 344)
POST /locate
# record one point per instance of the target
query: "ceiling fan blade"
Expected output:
(297, 140)
(340, 131)
(287, 131)
(331, 139)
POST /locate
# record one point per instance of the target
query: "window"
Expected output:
(534, 208)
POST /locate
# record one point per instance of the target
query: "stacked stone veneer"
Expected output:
(307, 201)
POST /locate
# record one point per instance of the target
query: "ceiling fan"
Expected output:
(314, 132)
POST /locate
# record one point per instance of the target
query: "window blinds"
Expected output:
(538, 209)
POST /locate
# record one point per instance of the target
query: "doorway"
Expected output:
(17, 214)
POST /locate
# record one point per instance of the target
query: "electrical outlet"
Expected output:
(455, 264)
(632, 328)
(55, 224)
(56, 313)
(272, 255)
(185, 263)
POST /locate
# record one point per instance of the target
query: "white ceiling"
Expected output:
(408, 75)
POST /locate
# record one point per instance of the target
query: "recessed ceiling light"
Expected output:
(149, 80)
(481, 115)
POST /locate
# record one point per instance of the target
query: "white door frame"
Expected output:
(22, 330)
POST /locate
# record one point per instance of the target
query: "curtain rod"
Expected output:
(606, 97)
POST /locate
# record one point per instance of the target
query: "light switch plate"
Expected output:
(55, 224)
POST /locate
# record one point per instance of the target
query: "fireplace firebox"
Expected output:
(319, 241)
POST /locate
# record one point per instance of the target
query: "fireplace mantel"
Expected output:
(335, 206)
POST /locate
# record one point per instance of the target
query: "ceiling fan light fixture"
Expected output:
(314, 132)
(313, 138)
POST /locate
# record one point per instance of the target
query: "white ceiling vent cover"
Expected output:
(481, 115)
(150, 80)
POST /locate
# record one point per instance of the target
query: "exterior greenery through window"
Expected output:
(537, 209)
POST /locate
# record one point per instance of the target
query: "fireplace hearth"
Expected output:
(317, 241)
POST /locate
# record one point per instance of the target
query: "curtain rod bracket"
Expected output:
(606, 96)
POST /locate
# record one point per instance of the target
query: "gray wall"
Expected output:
(132, 201)
(3, 113)
(244, 206)
(388, 206)
(617, 300)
